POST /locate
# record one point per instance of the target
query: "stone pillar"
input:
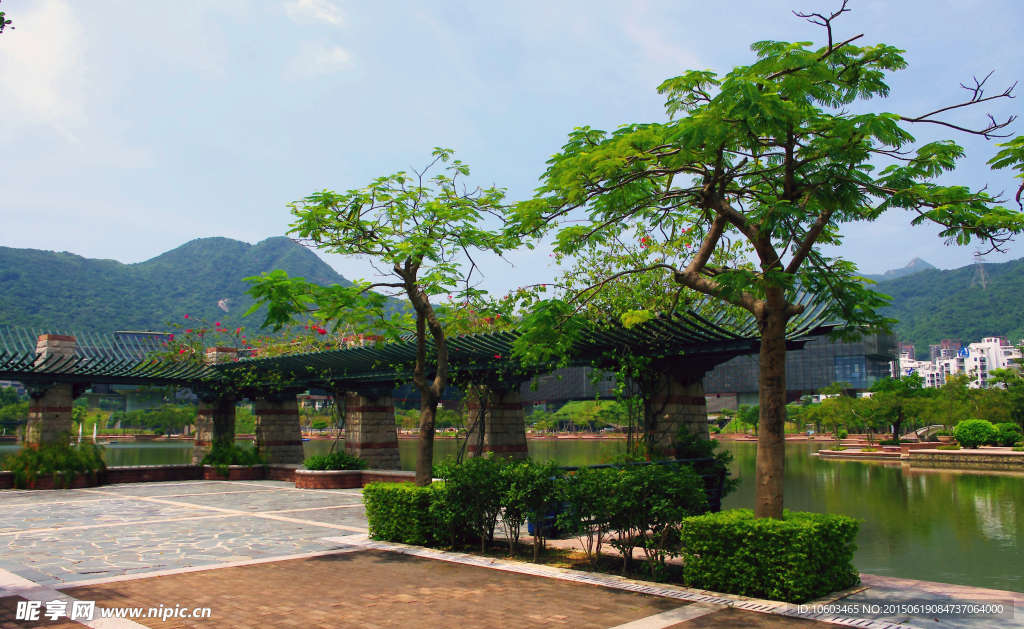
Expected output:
(678, 402)
(278, 435)
(49, 412)
(215, 420)
(503, 423)
(370, 432)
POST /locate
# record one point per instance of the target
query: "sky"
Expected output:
(128, 128)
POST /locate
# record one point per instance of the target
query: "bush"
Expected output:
(339, 460)
(799, 558)
(529, 489)
(971, 433)
(894, 442)
(715, 430)
(56, 458)
(1007, 434)
(843, 434)
(223, 455)
(475, 489)
(404, 513)
(948, 447)
(590, 494)
(651, 502)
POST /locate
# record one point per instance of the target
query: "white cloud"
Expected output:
(315, 11)
(316, 58)
(41, 67)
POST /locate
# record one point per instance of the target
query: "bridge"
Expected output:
(681, 348)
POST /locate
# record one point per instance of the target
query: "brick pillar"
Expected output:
(278, 435)
(679, 402)
(215, 420)
(504, 427)
(49, 412)
(370, 432)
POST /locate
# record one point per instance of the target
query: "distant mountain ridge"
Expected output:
(932, 304)
(202, 278)
(916, 266)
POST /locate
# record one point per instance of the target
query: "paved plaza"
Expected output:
(264, 554)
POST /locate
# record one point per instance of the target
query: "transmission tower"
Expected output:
(980, 277)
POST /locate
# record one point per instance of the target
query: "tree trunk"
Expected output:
(771, 436)
(425, 442)
(898, 425)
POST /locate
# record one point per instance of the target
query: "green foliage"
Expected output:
(690, 446)
(529, 489)
(18, 410)
(319, 424)
(972, 433)
(475, 490)
(56, 458)
(1007, 434)
(105, 295)
(651, 502)
(591, 495)
(843, 434)
(796, 559)
(404, 513)
(948, 447)
(222, 455)
(339, 460)
(8, 396)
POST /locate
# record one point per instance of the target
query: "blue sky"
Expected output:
(128, 128)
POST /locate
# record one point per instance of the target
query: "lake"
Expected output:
(933, 525)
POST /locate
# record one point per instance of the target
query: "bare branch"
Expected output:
(977, 97)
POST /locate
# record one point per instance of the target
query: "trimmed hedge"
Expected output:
(799, 558)
(400, 512)
(971, 433)
(334, 461)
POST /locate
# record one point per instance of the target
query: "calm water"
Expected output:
(953, 527)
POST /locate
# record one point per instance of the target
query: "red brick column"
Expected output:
(503, 423)
(278, 435)
(49, 412)
(677, 403)
(215, 420)
(370, 432)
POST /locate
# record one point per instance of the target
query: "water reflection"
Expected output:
(935, 525)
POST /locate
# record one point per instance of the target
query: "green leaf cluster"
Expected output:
(60, 459)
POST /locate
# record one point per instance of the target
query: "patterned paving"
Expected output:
(52, 538)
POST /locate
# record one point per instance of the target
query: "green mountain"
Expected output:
(932, 305)
(202, 278)
(916, 266)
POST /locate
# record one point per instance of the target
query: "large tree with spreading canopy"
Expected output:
(770, 155)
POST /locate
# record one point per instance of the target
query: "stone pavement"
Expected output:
(264, 554)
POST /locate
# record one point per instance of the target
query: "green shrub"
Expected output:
(591, 495)
(222, 455)
(651, 502)
(715, 430)
(843, 434)
(56, 458)
(1007, 434)
(1018, 448)
(894, 442)
(339, 460)
(971, 433)
(870, 449)
(799, 558)
(475, 489)
(529, 489)
(948, 447)
(404, 513)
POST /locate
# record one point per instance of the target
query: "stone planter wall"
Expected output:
(981, 459)
(348, 479)
(235, 472)
(46, 481)
(150, 474)
(6, 480)
(282, 471)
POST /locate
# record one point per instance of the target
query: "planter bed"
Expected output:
(150, 474)
(980, 459)
(45, 481)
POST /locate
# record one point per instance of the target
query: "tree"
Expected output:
(768, 154)
(420, 233)
(1013, 383)
(890, 397)
(834, 410)
(4, 23)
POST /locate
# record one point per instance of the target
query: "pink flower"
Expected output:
(497, 355)
(186, 316)
(322, 331)
(189, 330)
(218, 323)
(171, 337)
(238, 331)
(182, 351)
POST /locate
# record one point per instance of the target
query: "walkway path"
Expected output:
(264, 554)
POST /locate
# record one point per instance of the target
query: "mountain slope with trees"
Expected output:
(203, 278)
(932, 305)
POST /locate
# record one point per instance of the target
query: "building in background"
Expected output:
(820, 363)
(977, 360)
(906, 347)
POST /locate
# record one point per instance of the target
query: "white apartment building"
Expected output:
(976, 360)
